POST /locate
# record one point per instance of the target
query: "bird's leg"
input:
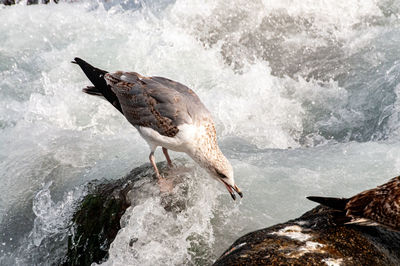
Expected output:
(165, 184)
(165, 151)
(153, 163)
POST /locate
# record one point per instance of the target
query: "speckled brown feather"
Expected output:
(381, 204)
(155, 102)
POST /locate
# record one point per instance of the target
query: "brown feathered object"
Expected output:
(380, 205)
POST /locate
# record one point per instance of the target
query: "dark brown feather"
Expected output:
(380, 205)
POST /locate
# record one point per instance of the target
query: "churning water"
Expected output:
(305, 96)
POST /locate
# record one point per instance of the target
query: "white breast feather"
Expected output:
(184, 141)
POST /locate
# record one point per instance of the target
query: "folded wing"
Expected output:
(155, 102)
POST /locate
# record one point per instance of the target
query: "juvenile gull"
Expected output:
(167, 114)
(380, 205)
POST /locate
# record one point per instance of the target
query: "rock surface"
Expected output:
(97, 221)
(314, 239)
(7, 2)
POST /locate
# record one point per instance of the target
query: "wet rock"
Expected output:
(312, 239)
(7, 2)
(315, 239)
(35, 2)
(96, 222)
(28, 2)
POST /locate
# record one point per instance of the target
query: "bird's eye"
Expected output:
(221, 175)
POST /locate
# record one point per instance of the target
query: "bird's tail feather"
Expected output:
(334, 203)
(100, 88)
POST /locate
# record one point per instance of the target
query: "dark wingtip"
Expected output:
(96, 76)
(77, 61)
(335, 203)
(317, 199)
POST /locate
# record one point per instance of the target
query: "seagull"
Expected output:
(378, 206)
(167, 114)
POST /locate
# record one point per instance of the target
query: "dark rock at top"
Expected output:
(28, 2)
(8, 2)
(315, 239)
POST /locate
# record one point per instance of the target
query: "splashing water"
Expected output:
(304, 96)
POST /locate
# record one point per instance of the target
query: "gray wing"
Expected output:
(156, 102)
(381, 204)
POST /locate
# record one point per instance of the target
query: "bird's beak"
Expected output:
(232, 189)
(238, 191)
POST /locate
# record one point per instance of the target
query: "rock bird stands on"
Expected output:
(380, 205)
(167, 114)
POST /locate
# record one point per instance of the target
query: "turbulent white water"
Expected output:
(305, 96)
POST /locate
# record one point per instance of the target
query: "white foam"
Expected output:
(179, 224)
(51, 224)
(51, 131)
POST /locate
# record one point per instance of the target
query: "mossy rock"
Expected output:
(96, 222)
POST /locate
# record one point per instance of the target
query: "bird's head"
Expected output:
(223, 172)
